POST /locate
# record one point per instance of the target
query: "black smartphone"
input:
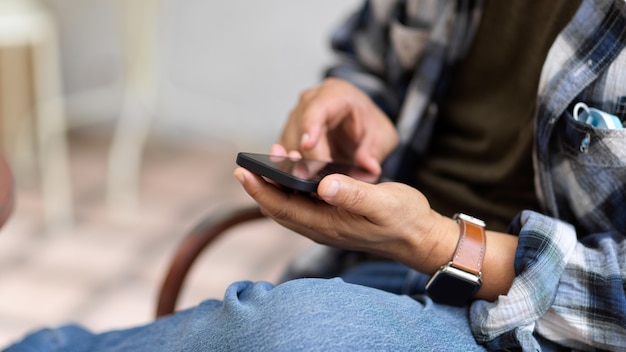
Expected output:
(300, 174)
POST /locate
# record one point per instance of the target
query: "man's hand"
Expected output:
(389, 219)
(336, 120)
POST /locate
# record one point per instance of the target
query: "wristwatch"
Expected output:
(458, 281)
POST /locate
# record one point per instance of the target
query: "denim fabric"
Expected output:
(303, 314)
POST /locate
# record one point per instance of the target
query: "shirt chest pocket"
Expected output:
(589, 170)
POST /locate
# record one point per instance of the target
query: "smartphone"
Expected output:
(300, 174)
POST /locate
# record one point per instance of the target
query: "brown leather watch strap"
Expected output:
(470, 250)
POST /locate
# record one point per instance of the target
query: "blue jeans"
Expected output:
(376, 306)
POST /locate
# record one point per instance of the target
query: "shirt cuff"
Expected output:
(544, 247)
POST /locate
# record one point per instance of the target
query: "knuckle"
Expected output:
(307, 95)
(331, 81)
(354, 197)
(264, 212)
(280, 213)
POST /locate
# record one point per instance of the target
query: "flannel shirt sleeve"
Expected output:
(568, 290)
(361, 44)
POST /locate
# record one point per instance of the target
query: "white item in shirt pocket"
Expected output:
(596, 118)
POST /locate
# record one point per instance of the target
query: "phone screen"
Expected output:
(300, 174)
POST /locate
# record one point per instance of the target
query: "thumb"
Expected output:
(347, 193)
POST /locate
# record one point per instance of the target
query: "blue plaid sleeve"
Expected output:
(571, 292)
(361, 43)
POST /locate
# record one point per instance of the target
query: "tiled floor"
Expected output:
(105, 273)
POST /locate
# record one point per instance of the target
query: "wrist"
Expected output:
(437, 243)
(457, 282)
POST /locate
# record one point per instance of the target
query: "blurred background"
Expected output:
(121, 120)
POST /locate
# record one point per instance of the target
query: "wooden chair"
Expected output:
(203, 235)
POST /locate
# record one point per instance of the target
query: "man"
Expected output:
(471, 132)
(547, 283)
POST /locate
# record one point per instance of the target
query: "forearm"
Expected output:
(498, 266)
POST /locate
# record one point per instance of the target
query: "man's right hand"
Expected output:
(336, 120)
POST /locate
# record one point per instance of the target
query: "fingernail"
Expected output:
(305, 138)
(377, 165)
(332, 188)
(239, 175)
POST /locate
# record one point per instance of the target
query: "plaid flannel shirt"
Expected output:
(570, 284)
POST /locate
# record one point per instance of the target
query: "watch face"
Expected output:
(452, 286)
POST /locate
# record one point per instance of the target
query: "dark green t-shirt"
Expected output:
(480, 158)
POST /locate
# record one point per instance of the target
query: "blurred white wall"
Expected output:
(225, 69)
